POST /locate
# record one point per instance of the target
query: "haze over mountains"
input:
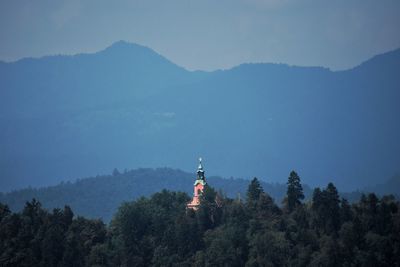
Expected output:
(64, 117)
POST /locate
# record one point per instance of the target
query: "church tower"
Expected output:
(199, 185)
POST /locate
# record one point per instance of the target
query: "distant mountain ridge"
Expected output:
(100, 196)
(127, 106)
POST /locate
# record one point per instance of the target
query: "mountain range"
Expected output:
(64, 117)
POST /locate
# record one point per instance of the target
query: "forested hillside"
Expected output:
(99, 197)
(255, 231)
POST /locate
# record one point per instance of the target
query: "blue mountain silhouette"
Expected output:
(64, 117)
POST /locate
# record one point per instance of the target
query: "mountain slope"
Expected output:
(100, 196)
(128, 107)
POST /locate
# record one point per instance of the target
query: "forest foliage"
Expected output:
(99, 197)
(251, 231)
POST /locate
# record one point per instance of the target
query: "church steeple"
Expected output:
(198, 187)
(200, 171)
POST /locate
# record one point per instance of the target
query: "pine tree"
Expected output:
(253, 193)
(4, 211)
(333, 208)
(294, 191)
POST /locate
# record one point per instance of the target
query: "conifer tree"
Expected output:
(253, 192)
(294, 191)
(333, 208)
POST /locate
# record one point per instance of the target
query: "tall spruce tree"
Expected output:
(253, 193)
(333, 208)
(294, 191)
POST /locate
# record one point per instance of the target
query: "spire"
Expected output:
(200, 168)
(200, 171)
(198, 188)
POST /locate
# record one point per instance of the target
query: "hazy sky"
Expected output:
(206, 34)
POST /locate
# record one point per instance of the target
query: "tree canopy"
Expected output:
(160, 231)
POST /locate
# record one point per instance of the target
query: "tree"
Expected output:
(73, 252)
(53, 244)
(268, 248)
(98, 256)
(226, 246)
(161, 231)
(116, 172)
(294, 191)
(346, 213)
(209, 213)
(329, 253)
(327, 216)
(253, 193)
(266, 208)
(4, 211)
(333, 209)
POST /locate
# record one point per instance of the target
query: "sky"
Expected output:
(206, 34)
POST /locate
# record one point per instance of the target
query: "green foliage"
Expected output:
(100, 196)
(268, 248)
(254, 190)
(36, 237)
(160, 231)
(294, 191)
(225, 246)
(327, 209)
(209, 214)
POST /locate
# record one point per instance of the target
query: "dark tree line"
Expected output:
(160, 231)
(100, 196)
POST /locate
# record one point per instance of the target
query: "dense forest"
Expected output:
(325, 230)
